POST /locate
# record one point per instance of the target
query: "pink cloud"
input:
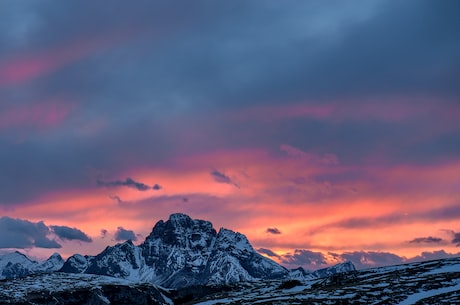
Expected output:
(294, 152)
(392, 204)
(26, 67)
(276, 112)
(391, 109)
(41, 115)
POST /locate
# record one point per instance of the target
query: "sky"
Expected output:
(322, 130)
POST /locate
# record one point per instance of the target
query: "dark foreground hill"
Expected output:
(433, 282)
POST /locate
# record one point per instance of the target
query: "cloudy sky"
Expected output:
(323, 131)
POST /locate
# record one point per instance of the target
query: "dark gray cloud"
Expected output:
(129, 182)
(68, 233)
(273, 231)
(116, 198)
(222, 178)
(426, 256)
(104, 233)
(456, 239)
(267, 252)
(21, 234)
(428, 240)
(304, 258)
(156, 187)
(122, 234)
(368, 259)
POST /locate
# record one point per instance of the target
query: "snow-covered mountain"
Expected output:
(16, 264)
(181, 252)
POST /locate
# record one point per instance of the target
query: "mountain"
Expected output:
(16, 264)
(181, 252)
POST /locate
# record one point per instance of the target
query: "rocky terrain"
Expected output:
(432, 282)
(82, 289)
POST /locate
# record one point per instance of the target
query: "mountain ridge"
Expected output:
(179, 252)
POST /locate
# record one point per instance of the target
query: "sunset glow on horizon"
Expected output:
(324, 132)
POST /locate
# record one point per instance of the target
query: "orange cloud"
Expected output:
(381, 209)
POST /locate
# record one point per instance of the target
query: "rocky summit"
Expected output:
(181, 252)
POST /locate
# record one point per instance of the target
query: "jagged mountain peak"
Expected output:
(182, 231)
(233, 241)
(55, 255)
(15, 257)
(179, 217)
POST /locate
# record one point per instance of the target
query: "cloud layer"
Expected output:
(337, 122)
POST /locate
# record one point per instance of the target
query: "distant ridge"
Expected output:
(16, 264)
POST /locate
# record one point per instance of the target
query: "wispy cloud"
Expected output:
(222, 178)
(116, 198)
(267, 252)
(427, 240)
(129, 182)
(273, 231)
